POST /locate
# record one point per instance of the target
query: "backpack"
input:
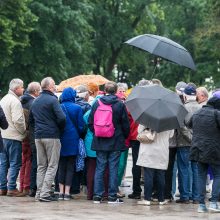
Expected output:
(103, 124)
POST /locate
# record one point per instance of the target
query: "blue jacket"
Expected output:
(89, 135)
(46, 116)
(74, 123)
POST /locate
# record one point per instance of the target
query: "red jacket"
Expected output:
(133, 129)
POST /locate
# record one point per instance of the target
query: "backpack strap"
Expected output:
(73, 122)
(101, 103)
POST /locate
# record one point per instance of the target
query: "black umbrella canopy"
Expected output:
(156, 107)
(163, 47)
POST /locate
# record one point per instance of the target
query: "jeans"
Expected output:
(183, 171)
(112, 159)
(91, 167)
(193, 183)
(10, 163)
(136, 170)
(202, 175)
(149, 174)
(174, 178)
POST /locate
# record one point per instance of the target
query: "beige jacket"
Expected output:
(14, 114)
(156, 154)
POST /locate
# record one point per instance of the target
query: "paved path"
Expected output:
(27, 209)
(81, 209)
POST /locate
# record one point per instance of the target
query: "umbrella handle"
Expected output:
(153, 72)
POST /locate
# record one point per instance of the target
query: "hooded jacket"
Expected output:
(121, 125)
(74, 123)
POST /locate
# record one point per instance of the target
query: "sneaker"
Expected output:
(144, 202)
(97, 199)
(120, 195)
(168, 200)
(48, 199)
(213, 206)
(202, 208)
(163, 203)
(182, 201)
(112, 200)
(67, 197)
(134, 196)
(125, 184)
(61, 196)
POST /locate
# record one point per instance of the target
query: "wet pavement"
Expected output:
(79, 208)
(27, 209)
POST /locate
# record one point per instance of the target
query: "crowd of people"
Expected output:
(83, 137)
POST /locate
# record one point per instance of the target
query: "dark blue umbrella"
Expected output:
(156, 107)
(163, 47)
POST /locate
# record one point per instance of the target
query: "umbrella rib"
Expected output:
(170, 44)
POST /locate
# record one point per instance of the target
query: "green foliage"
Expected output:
(16, 22)
(115, 22)
(63, 38)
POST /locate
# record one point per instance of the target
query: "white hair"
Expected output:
(33, 87)
(122, 85)
(15, 83)
(45, 83)
(204, 91)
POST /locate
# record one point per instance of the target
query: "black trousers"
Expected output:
(66, 169)
(169, 173)
(136, 170)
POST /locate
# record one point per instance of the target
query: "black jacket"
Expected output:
(206, 136)
(47, 116)
(83, 104)
(27, 101)
(3, 125)
(121, 124)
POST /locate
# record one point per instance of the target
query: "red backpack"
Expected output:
(103, 124)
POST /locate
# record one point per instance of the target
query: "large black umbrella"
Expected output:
(156, 107)
(163, 47)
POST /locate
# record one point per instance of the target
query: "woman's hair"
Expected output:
(92, 88)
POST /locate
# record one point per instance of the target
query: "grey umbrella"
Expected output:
(163, 47)
(156, 107)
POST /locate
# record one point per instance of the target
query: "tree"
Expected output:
(16, 22)
(59, 44)
(114, 22)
